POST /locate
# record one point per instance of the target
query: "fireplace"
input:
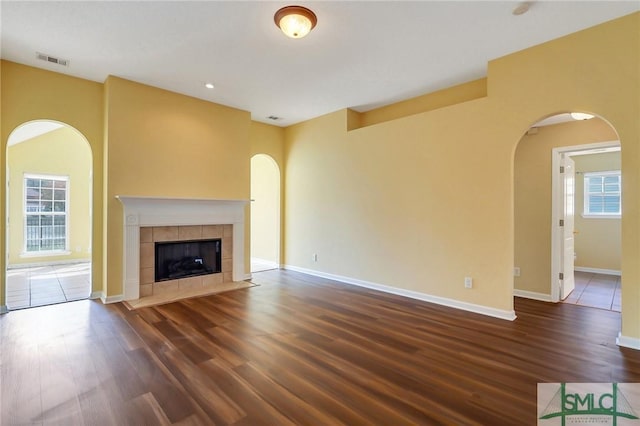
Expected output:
(183, 259)
(148, 220)
(174, 258)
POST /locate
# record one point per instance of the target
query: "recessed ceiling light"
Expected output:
(209, 85)
(522, 8)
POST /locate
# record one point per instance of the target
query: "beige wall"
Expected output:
(31, 94)
(62, 152)
(598, 241)
(532, 196)
(420, 202)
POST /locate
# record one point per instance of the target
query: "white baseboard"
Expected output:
(452, 303)
(95, 295)
(598, 271)
(3, 309)
(532, 295)
(111, 299)
(628, 342)
(48, 263)
(247, 277)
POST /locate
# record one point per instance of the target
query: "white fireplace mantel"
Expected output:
(153, 211)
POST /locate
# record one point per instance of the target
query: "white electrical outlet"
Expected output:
(468, 282)
(516, 271)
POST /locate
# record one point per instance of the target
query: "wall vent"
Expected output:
(52, 59)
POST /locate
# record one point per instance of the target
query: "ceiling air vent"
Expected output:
(274, 118)
(52, 59)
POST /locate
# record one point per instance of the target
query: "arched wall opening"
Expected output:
(265, 213)
(49, 214)
(592, 146)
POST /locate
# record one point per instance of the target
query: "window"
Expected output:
(602, 194)
(45, 208)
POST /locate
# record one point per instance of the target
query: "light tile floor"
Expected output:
(596, 290)
(46, 285)
(259, 265)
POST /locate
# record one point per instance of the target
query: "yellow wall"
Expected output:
(420, 202)
(269, 140)
(417, 202)
(475, 89)
(532, 196)
(164, 144)
(61, 152)
(598, 241)
(32, 94)
(265, 209)
(401, 203)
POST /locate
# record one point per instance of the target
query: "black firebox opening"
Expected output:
(180, 259)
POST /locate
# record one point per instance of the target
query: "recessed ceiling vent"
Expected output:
(52, 59)
(274, 118)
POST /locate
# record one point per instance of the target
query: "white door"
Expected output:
(567, 283)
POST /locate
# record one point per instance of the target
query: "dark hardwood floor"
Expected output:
(297, 350)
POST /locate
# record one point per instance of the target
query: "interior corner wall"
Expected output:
(421, 202)
(32, 94)
(163, 144)
(269, 140)
(532, 196)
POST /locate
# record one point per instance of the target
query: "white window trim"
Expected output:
(47, 253)
(585, 200)
(601, 216)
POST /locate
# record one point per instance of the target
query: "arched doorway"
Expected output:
(49, 215)
(561, 225)
(265, 213)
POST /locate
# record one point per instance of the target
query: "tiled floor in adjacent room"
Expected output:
(46, 285)
(596, 291)
(259, 265)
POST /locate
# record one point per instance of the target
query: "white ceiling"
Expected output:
(31, 130)
(361, 55)
(554, 119)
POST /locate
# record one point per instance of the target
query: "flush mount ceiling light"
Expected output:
(522, 8)
(295, 21)
(581, 116)
(209, 85)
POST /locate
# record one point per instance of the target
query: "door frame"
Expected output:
(3, 286)
(557, 204)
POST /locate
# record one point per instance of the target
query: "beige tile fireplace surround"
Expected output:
(149, 235)
(151, 219)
